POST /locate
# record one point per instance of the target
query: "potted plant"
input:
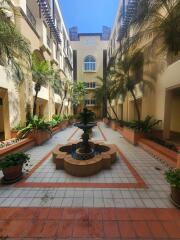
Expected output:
(11, 166)
(38, 129)
(173, 178)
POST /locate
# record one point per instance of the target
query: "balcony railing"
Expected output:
(30, 17)
(45, 9)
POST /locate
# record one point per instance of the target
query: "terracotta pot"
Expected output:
(12, 173)
(175, 195)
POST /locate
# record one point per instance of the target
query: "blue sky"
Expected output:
(89, 15)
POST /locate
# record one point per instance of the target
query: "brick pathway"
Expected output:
(129, 201)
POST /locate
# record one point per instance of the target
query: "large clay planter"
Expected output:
(40, 137)
(175, 196)
(132, 136)
(12, 174)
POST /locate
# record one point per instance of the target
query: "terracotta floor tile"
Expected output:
(126, 229)
(95, 214)
(109, 214)
(7, 213)
(81, 214)
(41, 213)
(111, 229)
(157, 229)
(69, 213)
(81, 229)
(50, 229)
(96, 229)
(122, 214)
(172, 229)
(141, 229)
(55, 213)
(25, 213)
(36, 228)
(141, 214)
(164, 214)
(175, 213)
(16, 228)
(65, 229)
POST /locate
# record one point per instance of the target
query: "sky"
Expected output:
(89, 15)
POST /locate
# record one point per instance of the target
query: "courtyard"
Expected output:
(129, 201)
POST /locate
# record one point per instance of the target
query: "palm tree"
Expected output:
(41, 73)
(128, 74)
(102, 90)
(12, 43)
(160, 24)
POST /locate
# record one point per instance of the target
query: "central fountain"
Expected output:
(84, 158)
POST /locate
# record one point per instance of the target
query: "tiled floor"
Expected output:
(143, 211)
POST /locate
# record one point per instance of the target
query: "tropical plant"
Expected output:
(78, 94)
(35, 124)
(14, 159)
(129, 73)
(58, 118)
(42, 74)
(102, 93)
(158, 22)
(173, 177)
(145, 125)
(12, 43)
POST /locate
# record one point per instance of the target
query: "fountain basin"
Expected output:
(103, 159)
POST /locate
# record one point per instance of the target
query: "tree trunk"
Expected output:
(136, 105)
(108, 114)
(35, 103)
(113, 110)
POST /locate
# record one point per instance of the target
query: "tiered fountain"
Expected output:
(84, 158)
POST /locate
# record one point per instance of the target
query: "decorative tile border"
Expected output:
(139, 181)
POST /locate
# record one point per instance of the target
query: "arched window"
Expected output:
(89, 64)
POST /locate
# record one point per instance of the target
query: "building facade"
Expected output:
(89, 55)
(41, 23)
(164, 101)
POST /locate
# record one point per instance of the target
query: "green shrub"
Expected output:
(53, 123)
(173, 177)
(14, 159)
(58, 118)
(145, 125)
(35, 124)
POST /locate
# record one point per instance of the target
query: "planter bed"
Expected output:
(132, 136)
(172, 158)
(19, 146)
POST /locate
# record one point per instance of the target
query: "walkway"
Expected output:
(130, 201)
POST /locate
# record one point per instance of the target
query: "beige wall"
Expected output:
(90, 45)
(17, 96)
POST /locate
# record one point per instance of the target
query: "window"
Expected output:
(89, 64)
(90, 84)
(31, 17)
(90, 102)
